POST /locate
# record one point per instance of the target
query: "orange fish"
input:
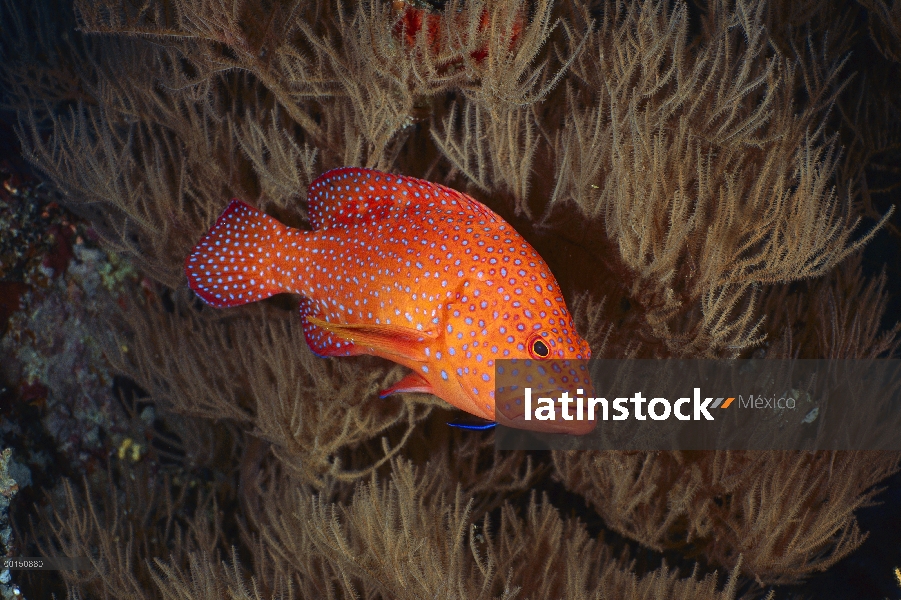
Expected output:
(401, 268)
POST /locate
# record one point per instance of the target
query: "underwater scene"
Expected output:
(265, 265)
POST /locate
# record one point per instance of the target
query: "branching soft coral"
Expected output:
(777, 516)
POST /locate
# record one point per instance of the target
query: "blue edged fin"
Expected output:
(473, 426)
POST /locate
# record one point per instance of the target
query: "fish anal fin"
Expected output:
(412, 382)
(380, 339)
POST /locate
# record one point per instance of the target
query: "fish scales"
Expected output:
(397, 267)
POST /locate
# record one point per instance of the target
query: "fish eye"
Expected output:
(538, 348)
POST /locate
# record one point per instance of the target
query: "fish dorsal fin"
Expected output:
(383, 340)
(349, 195)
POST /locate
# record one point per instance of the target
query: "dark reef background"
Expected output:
(662, 156)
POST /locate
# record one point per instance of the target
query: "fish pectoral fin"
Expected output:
(412, 382)
(393, 340)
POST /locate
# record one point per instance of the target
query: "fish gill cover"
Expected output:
(702, 179)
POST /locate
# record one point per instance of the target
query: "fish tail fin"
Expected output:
(239, 260)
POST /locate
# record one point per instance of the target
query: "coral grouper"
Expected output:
(401, 268)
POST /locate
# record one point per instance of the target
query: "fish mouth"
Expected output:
(545, 396)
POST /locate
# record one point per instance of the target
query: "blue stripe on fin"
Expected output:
(473, 426)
